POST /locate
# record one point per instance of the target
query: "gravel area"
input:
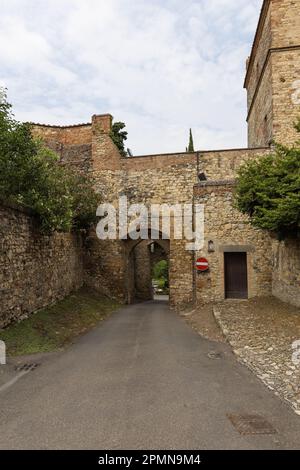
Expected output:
(203, 321)
(262, 333)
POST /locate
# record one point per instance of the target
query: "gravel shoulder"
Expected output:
(203, 321)
(262, 333)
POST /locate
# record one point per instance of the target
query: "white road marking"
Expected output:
(13, 381)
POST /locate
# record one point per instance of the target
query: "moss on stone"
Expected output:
(54, 327)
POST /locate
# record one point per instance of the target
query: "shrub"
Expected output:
(31, 175)
(268, 190)
(119, 136)
(84, 200)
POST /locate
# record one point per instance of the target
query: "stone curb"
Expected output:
(242, 360)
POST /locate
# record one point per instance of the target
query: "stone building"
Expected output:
(244, 262)
(273, 74)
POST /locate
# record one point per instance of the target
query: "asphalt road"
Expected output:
(141, 380)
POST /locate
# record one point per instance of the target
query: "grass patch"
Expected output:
(54, 327)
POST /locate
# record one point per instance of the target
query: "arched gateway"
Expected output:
(231, 246)
(142, 255)
(114, 266)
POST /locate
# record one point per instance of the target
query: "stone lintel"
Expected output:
(236, 248)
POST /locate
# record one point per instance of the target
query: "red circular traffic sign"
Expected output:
(202, 265)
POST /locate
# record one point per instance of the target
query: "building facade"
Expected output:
(241, 258)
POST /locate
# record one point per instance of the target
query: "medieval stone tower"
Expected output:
(273, 74)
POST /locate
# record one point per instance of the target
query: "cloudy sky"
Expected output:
(161, 66)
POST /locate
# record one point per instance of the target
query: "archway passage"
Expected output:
(145, 281)
(160, 272)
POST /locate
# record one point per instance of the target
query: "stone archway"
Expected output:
(140, 262)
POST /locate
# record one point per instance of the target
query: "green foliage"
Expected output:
(161, 275)
(268, 190)
(30, 175)
(119, 136)
(297, 125)
(84, 200)
(191, 143)
(56, 326)
(161, 269)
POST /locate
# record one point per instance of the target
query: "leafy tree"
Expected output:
(119, 136)
(161, 273)
(16, 149)
(84, 200)
(46, 190)
(191, 143)
(268, 190)
(161, 269)
(31, 175)
(297, 125)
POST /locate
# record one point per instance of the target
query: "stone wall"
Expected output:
(260, 118)
(285, 23)
(272, 73)
(106, 266)
(116, 269)
(49, 267)
(286, 94)
(258, 83)
(80, 134)
(173, 178)
(286, 271)
(145, 259)
(150, 179)
(230, 231)
(142, 272)
(73, 144)
(35, 270)
(260, 50)
(224, 164)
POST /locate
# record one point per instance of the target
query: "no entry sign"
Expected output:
(202, 265)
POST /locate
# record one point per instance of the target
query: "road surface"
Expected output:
(141, 380)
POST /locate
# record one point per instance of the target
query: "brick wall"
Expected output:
(80, 134)
(35, 270)
(73, 144)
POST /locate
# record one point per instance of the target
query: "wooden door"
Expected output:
(236, 279)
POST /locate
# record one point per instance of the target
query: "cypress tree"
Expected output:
(191, 143)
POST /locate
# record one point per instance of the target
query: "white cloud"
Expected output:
(160, 66)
